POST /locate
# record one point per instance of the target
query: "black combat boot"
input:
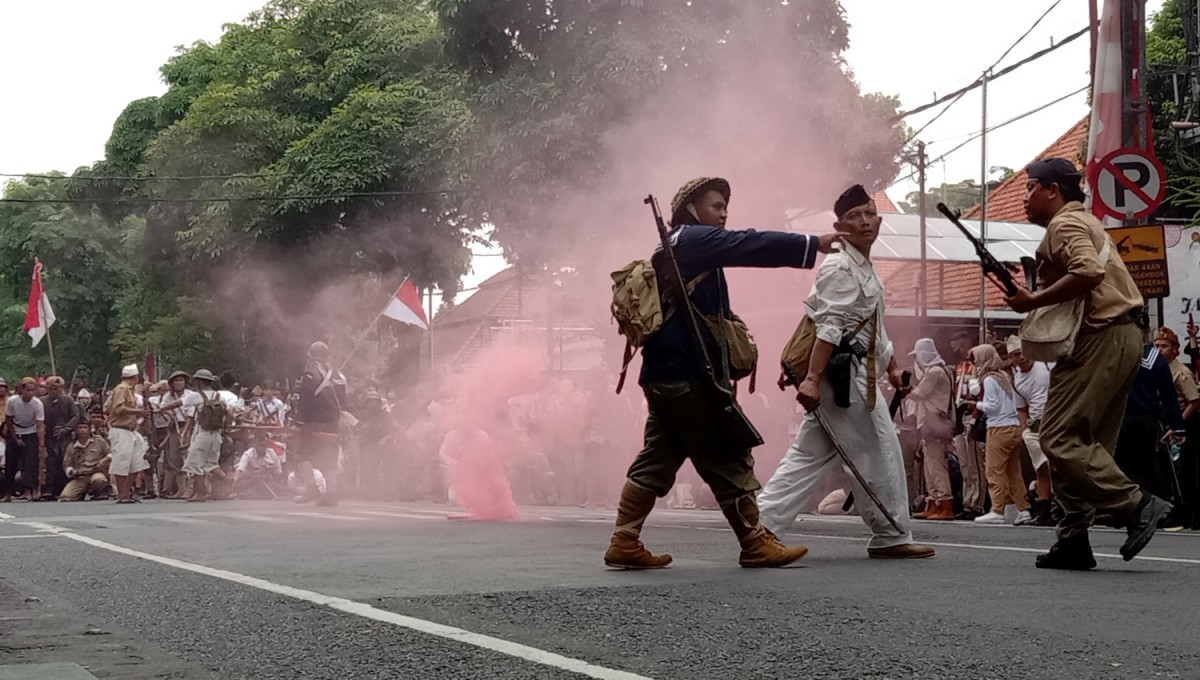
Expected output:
(1072, 554)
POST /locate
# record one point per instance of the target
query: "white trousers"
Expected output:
(869, 439)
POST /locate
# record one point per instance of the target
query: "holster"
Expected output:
(840, 371)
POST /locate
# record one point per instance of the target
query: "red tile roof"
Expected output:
(1007, 202)
(883, 204)
(953, 286)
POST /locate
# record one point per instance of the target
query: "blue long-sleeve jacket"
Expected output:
(1153, 395)
(667, 354)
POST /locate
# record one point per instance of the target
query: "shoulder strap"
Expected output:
(690, 286)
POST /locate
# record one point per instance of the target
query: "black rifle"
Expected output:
(998, 273)
(740, 433)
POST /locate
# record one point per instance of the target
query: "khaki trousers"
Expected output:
(937, 471)
(77, 487)
(970, 462)
(1005, 482)
(1084, 410)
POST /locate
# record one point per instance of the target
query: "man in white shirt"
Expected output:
(848, 295)
(274, 409)
(26, 448)
(213, 410)
(1031, 380)
(258, 471)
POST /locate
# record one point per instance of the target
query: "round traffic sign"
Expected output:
(1129, 183)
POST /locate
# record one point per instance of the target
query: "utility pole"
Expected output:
(983, 198)
(922, 297)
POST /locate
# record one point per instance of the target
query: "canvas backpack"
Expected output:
(637, 306)
(211, 415)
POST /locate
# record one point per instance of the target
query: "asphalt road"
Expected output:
(372, 590)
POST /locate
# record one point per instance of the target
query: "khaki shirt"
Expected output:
(121, 408)
(1072, 245)
(84, 458)
(933, 396)
(1185, 384)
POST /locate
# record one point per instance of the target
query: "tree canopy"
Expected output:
(295, 170)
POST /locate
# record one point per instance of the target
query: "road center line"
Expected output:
(5, 515)
(4, 538)
(513, 649)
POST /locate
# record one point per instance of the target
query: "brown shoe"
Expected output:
(931, 507)
(629, 553)
(764, 550)
(907, 551)
(941, 511)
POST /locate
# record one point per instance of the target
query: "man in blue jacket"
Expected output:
(681, 423)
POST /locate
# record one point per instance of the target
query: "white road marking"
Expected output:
(5, 515)
(265, 519)
(182, 519)
(403, 515)
(2, 538)
(513, 649)
(323, 515)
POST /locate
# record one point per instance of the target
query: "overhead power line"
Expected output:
(979, 81)
(222, 199)
(976, 135)
(963, 92)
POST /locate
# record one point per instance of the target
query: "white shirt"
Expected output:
(194, 400)
(848, 290)
(275, 410)
(253, 462)
(25, 414)
(999, 406)
(183, 412)
(1031, 388)
(161, 419)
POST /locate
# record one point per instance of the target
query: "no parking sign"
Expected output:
(1129, 184)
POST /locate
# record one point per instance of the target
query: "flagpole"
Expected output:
(366, 332)
(50, 341)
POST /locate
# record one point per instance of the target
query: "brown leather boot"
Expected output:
(625, 550)
(760, 548)
(942, 511)
(930, 507)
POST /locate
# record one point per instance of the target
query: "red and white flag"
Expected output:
(39, 316)
(405, 306)
(1104, 127)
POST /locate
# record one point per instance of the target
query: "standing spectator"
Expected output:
(970, 451)
(25, 419)
(1153, 403)
(1031, 380)
(999, 406)
(934, 397)
(61, 418)
(1167, 344)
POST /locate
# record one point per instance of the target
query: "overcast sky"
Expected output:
(68, 68)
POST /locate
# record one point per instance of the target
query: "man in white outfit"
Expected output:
(846, 305)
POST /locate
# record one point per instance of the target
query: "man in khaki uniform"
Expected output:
(86, 466)
(1088, 388)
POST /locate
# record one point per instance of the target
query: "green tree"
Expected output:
(84, 273)
(317, 135)
(1168, 62)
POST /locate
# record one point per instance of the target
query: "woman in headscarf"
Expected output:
(1003, 451)
(934, 396)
